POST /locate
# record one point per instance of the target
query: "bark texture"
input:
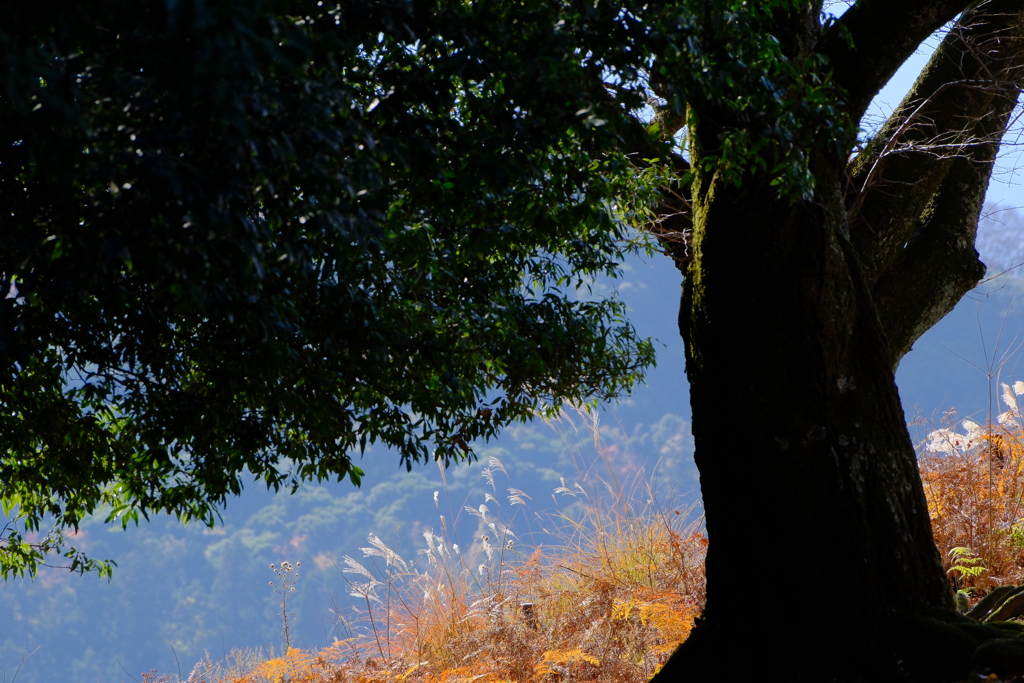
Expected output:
(797, 343)
(794, 317)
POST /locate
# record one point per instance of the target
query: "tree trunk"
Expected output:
(821, 564)
(816, 517)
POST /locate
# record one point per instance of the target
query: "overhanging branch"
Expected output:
(939, 264)
(672, 222)
(883, 35)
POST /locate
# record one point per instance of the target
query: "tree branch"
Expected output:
(969, 85)
(673, 226)
(669, 122)
(942, 252)
(672, 223)
(938, 263)
(642, 140)
(883, 35)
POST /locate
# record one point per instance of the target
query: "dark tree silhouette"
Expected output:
(821, 489)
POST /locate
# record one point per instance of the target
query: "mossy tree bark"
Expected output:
(794, 317)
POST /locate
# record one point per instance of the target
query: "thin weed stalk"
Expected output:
(606, 592)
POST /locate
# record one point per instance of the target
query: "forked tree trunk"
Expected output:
(816, 517)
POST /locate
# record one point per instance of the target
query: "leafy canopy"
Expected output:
(252, 238)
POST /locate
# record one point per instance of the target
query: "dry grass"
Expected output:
(611, 599)
(974, 481)
(608, 601)
(609, 605)
(620, 588)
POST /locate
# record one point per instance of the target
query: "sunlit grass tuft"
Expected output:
(613, 589)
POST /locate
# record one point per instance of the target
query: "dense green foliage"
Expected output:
(767, 107)
(248, 238)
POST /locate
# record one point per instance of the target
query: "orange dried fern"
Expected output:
(974, 482)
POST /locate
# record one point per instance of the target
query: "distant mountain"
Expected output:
(1001, 241)
(181, 591)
